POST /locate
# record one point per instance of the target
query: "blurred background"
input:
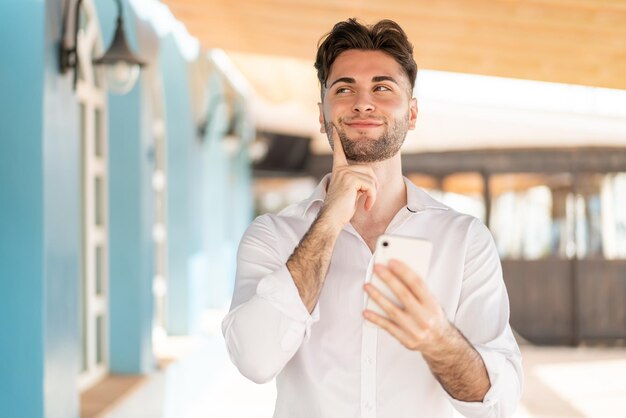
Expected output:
(139, 138)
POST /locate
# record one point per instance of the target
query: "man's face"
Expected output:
(367, 98)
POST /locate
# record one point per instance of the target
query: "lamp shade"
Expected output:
(122, 66)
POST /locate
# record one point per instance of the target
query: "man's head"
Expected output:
(367, 74)
(386, 36)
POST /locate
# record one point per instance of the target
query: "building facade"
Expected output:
(119, 215)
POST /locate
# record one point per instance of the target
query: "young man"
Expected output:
(298, 311)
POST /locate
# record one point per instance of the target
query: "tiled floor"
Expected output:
(560, 382)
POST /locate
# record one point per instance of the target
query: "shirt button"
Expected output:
(368, 360)
(368, 405)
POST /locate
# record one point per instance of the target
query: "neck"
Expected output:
(391, 193)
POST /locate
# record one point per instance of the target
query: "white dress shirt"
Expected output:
(332, 363)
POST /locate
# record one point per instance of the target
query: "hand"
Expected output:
(421, 325)
(349, 183)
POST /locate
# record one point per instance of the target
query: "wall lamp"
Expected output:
(121, 65)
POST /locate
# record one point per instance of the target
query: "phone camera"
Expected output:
(385, 244)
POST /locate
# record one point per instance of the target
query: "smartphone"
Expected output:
(413, 252)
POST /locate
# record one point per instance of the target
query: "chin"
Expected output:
(364, 136)
(366, 158)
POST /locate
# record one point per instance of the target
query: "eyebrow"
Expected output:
(385, 78)
(348, 80)
(376, 79)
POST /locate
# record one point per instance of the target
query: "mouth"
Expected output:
(364, 124)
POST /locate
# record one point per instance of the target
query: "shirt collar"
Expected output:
(417, 199)
(318, 195)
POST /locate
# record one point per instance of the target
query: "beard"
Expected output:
(369, 150)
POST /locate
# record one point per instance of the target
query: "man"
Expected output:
(298, 309)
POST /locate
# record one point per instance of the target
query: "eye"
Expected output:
(382, 88)
(343, 90)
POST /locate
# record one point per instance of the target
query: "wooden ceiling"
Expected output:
(567, 41)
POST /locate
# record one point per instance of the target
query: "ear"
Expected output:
(322, 119)
(412, 113)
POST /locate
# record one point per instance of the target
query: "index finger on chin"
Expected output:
(339, 156)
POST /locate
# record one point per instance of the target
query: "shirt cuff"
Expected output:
(279, 290)
(494, 363)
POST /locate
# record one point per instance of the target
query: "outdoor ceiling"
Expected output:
(566, 41)
(574, 42)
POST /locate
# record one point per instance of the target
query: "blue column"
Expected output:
(130, 220)
(21, 209)
(130, 238)
(183, 177)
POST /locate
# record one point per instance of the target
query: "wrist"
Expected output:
(328, 223)
(443, 344)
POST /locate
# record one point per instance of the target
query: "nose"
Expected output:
(363, 103)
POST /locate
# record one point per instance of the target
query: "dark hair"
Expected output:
(386, 36)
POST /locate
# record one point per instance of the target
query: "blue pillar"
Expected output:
(183, 175)
(130, 220)
(21, 209)
(130, 238)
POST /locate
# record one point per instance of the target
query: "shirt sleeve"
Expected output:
(483, 318)
(267, 321)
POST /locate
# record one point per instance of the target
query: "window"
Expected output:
(93, 135)
(159, 230)
(601, 218)
(154, 110)
(538, 216)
